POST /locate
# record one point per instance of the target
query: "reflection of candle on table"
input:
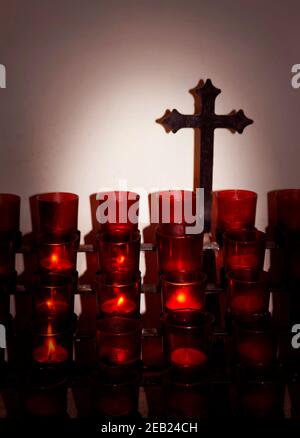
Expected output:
(119, 304)
(56, 263)
(188, 357)
(50, 352)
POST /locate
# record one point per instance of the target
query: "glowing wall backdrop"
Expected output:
(87, 79)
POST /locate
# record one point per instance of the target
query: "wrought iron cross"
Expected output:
(205, 118)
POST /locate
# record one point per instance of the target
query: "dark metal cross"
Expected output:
(205, 118)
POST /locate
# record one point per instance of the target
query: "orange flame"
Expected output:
(181, 298)
(120, 301)
(54, 259)
(121, 259)
(51, 348)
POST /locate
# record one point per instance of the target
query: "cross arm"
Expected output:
(174, 120)
(236, 121)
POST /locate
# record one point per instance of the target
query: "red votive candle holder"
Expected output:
(57, 255)
(44, 394)
(261, 396)
(174, 210)
(185, 393)
(118, 295)
(247, 292)
(53, 295)
(183, 290)
(188, 337)
(9, 212)
(255, 343)
(119, 340)
(57, 213)
(119, 251)
(115, 392)
(7, 255)
(52, 342)
(288, 210)
(118, 210)
(179, 252)
(235, 209)
(244, 249)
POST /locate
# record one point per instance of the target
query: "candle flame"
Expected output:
(51, 348)
(120, 301)
(181, 298)
(121, 259)
(50, 304)
(54, 259)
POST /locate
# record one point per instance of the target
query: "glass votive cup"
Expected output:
(57, 213)
(185, 393)
(119, 251)
(183, 290)
(52, 342)
(261, 396)
(53, 295)
(118, 210)
(247, 292)
(288, 209)
(179, 252)
(174, 210)
(118, 340)
(7, 254)
(188, 336)
(44, 394)
(244, 249)
(118, 295)
(9, 212)
(57, 255)
(235, 209)
(115, 391)
(254, 342)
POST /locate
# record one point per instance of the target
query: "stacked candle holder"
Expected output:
(118, 288)
(56, 241)
(187, 326)
(254, 340)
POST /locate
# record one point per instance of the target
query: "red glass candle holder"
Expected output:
(119, 251)
(235, 209)
(188, 336)
(118, 295)
(185, 393)
(182, 290)
(116, 392)
(247, 292)
(288, 210)
(44, 394)
(118, 210)
(57, 255)
(244, 249)
(174, 210)
(119, 340)
(255, 343)
(9, 212)
(7, 255)
(57, 213)
(261, 396)
(179, 253)
(52, 342)
(53, 295)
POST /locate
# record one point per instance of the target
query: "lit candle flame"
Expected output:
(181, 298)
(54, 259)
(51, 349)
(120, 301)
(50, 304)
(121, 259)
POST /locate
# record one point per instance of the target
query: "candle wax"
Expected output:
(181, 300)
(52, 306)
(50, 352)
(188, 357)
(119, 304)
(55, 263)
